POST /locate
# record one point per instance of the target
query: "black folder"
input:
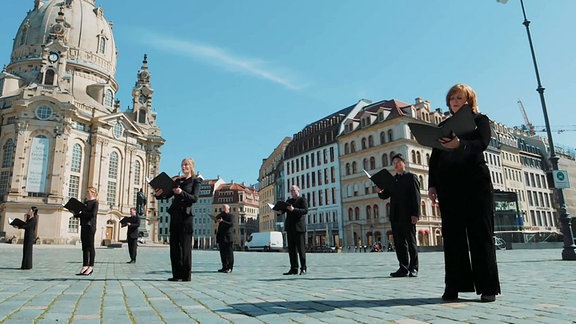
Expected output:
(383, 179)
(124, 221)
(279, 206)
(460, 123)
(75, 206)
(16, 222)
(164, 182)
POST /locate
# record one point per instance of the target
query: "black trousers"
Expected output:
(297, 249)
(227, 255)
(132, 248)
(87, 233)
(469, 252)
(404, 233)
(181, 253)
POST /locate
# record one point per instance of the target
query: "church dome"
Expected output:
(76, 29)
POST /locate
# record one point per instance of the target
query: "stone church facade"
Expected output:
(61, 128)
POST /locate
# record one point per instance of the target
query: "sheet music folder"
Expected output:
(279, 206)
(383, 179)
(162, 181)
(16, 222)
(460, 123)
(75, 206)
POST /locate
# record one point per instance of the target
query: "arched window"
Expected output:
(350, 215)
(418, 157)
(137, 171)
(423, 208)
(365, 164)
(384, 160)
(102, 45)
(376, 212)
(357, 213)
(76, 161)
(346, 148)
(8, 157)
(382, 137)
(368, 212)
(142, 116)
(352, 147)
(372, 163)
(112, 178)
(354, 167)
(427, 159)
(413, 157)
(370, 141)
(49, 77)
(108, 98)
(421, 180)
(347, 168)
(390, 137)
(364, 143)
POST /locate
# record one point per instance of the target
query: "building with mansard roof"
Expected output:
(62, 130)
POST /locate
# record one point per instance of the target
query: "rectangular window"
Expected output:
(74, 187)
(4, 176)
(73, 224)
(111, 198)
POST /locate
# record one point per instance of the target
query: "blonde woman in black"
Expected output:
(185, 193)
(88, 230)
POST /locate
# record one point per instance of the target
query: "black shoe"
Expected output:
(227, 271)
(399, 274)
(291, 272)
(413, 273)
(222, 270)
(173, 279)
(486, 298)
(450, 295)
(303, 272)
(131, 261)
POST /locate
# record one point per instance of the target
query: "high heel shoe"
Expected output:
(89, 271)
(82, 271)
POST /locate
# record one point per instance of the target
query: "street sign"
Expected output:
(561, 179)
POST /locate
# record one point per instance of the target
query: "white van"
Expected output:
(264, 241)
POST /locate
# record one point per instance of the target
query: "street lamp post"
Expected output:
(568, 253)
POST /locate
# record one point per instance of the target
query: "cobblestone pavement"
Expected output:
(537, 287)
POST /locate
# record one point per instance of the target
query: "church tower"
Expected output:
(61, 128)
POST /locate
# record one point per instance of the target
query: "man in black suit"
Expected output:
(224, 238)
(133, 223)
(295, 226)
(404, 214)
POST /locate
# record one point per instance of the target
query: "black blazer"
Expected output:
(225, 228)
(189, 195)
(404, 197)
(88, 215)
(132, 232)
(295, 220)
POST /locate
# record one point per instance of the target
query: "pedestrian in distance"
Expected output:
(225, 238)
(87, 231)
(29, 228)
(460, 180)
(404, 214)
(185, 192)
(295, 226)
(133, 224)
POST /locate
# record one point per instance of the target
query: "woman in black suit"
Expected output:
(29, 237)
(185, 193)
(88, 230)
(459, 178)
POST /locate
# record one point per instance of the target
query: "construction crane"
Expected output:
(528, 124)
(558, 129)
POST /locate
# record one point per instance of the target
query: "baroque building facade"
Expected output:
(61, 127)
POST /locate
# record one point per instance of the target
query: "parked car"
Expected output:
(264, 241)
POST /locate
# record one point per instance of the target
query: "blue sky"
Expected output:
(233, 78)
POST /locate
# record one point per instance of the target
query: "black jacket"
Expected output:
(295, 220)
(225, 232)
(404, 197)
(88, 215)
(132, 232)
